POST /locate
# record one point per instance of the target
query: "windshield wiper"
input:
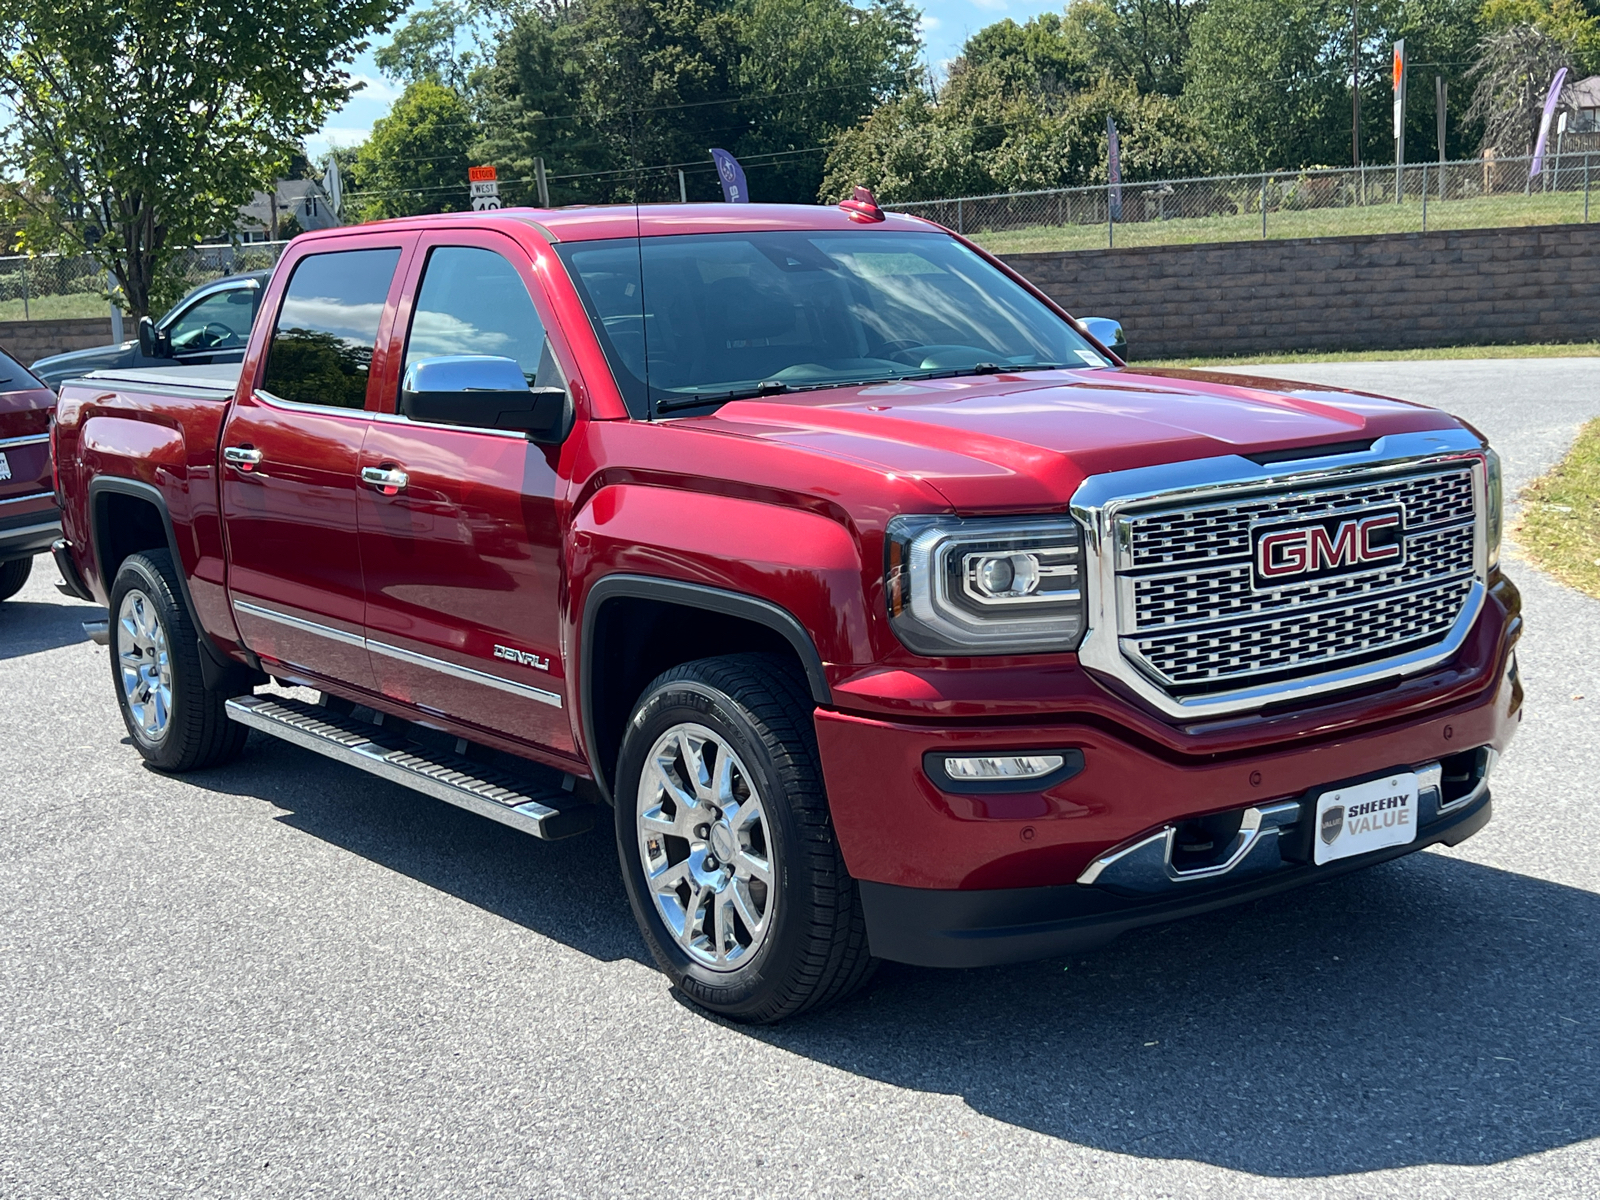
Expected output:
(768, 387)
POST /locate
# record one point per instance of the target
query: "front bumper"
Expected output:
(932, 927)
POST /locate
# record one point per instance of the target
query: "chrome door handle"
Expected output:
(388, 480)
(243, 457)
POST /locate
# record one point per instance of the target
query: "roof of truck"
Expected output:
(586, 223)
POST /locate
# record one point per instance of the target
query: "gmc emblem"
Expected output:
(1337, 546)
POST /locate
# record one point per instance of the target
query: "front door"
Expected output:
(462, 560)
(290, 463)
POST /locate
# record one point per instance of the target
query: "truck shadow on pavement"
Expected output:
(30, 627)
(1430, 1010)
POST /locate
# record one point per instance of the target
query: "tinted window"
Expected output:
(720, 315)
(322, 348)
(473, 302)
(221, 321)
(14, 377)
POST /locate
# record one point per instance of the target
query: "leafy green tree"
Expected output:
(142, 126)
(985, 134)
(416, 159)
(614, 90)
(1146, 41)
(426, 47)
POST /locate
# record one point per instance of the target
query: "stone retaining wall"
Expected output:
(1369, 292)
(28, 341)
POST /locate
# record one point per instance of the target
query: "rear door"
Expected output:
(462, 563)
(291, 452)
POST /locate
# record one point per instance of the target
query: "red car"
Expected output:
(29, 522)
(885, 612)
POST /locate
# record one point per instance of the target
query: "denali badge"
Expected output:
(1336, 546)
(1332, 824)
(524, 658)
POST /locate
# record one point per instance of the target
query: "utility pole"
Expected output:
(1441, 100)
(1355, 85)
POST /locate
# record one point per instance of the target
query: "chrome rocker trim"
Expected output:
(425, 661)
(1101, 500)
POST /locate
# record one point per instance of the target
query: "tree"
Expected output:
(1268, 81)
(416, 159)
(142, 126)
(425, 47)
(620, 92)
(1514, 69)
(1146, 41)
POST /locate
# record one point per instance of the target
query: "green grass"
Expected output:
(1533, 350)
(51, 308)
(1484, 212)
(1560, 526)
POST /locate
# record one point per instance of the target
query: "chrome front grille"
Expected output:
(1192, 616)
(1205, 533)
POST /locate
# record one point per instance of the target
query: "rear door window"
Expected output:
(327, 328)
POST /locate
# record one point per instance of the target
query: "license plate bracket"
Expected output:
(1362, 817)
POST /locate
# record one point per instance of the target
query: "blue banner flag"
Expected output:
(731, 174)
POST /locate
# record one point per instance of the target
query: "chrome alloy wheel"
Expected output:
(145, 665)
(705, 849)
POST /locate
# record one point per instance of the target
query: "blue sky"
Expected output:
(946, 24)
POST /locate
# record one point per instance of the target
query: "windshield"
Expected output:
(694, 320)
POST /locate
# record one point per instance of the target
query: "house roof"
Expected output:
(1585, 93)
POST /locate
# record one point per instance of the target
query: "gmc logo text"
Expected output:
(1314, 549)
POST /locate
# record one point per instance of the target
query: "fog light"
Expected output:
(1028, 766)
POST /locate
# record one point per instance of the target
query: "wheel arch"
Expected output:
(128, 516)
(624, 613)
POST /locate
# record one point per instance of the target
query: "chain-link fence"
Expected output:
(49, 286)
(1474, 194)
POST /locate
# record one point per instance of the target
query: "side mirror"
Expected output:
(486, 392)
(153, 342)
(1108, 333)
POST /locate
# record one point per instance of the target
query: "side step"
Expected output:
(475, 786)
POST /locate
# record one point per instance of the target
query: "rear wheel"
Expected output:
(13, 575)
(726, 843)
(175, 721)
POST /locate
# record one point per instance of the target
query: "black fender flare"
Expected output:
(687, 595)
(216, 668)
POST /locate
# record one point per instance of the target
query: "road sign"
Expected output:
(485, 191)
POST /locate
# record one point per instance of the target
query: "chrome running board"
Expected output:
(476, 787)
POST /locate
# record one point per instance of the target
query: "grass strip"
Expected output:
(1424, 354)
(1559, 529)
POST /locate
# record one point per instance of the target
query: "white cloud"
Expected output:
(927, 23)
(992, 5)
(372, 88)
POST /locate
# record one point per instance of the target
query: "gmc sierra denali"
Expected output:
(887, 613)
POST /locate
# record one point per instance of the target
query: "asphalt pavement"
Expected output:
(287, 978)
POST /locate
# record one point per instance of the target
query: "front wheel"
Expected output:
(175, 721)
(726, 844)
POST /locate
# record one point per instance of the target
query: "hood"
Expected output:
(59, 368)
(1024, 441)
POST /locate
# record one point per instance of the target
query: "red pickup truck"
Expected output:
(886, 613)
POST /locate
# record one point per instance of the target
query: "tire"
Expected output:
(752, 949)
(175, 721)
(13, 575)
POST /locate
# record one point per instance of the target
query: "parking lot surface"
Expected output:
(286, 978)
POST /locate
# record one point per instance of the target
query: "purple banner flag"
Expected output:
(1550, 103)
(731, 175)
(1115, 159)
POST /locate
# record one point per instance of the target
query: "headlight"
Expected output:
(1497, 503)
(960, 587)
